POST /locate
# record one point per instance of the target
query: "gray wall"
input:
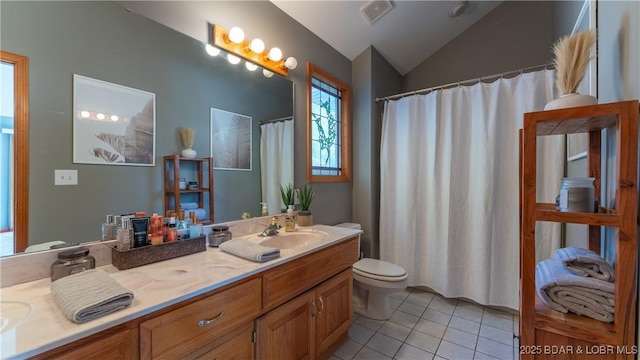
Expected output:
(515, 35)
(372, 75)
(103, 41)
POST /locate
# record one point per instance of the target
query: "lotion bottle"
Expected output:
(265, 210)
(290, 220)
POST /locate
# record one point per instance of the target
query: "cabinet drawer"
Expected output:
(237, 345)
(182, 331)
(288, 280)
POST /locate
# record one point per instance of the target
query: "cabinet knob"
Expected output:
(203, 323)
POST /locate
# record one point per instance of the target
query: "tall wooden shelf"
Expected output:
(174, 166)
(541, 326)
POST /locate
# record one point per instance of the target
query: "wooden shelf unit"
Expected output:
(172, 171)
(540, 325)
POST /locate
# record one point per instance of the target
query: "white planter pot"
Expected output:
(571, 100)
(188, 153)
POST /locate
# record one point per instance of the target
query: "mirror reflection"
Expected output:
(102, 41)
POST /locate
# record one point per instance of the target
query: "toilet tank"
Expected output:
(354, 226)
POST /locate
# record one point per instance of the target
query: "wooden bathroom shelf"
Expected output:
(174, 165)
(541, 326)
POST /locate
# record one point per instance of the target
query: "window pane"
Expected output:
(325, 132)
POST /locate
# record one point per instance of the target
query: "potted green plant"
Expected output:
(305, 195)
(288, 195)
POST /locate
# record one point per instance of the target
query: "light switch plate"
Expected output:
(66, 177)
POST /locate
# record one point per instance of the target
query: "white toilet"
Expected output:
(373, 281)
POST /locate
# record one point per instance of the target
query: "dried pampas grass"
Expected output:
(572, 56)
(188, 137)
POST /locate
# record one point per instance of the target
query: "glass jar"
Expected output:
(218, 235)
(182, 184)
(71, 262)
(577, 195)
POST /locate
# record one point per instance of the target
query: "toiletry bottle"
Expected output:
(124, 239)
(195, 229)
(140, 231)
(172, 232)
(265, 211)
(290, 220)
(156, 229)
(109, 229)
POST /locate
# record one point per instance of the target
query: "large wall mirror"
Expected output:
(101, 40)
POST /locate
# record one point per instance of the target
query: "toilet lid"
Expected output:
(378, 268)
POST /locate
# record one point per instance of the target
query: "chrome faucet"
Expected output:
(272, 229)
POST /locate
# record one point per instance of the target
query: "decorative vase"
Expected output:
(305, 218)
(188, 153)
(570, 100)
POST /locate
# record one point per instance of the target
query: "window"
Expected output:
(328, 126)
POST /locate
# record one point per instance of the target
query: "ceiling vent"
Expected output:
(373, 10)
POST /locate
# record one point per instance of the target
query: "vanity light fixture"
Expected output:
(250, 66)
(212, 50)
(234, 42)
(233, 59)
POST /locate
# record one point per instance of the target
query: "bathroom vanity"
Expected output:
(206, 305)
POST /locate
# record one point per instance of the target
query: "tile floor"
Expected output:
(428, 326)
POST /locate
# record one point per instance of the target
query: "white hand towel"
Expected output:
(88, 295)
(249, 250)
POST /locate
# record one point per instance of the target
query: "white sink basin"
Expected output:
(290, 240)
(12, 313)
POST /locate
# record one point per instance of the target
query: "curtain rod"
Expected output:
(276, 120)
(465, 82)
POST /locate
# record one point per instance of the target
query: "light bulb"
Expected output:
(257, 46)
(267, 73)
(114, 117)
(212, 50)
(291, 63)
(85, 114)
(250, 66)
(233, 59)
(275, 54)
(236, 35)
(100, 116)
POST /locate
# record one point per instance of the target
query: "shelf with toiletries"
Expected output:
(540, 325)
(189, 181)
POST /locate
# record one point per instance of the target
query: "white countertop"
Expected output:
(155, 286)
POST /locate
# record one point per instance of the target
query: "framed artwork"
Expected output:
(230, 140)
(112, 124)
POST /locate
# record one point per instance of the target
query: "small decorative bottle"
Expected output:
(109, 229)
(290, 220)
(124, 236)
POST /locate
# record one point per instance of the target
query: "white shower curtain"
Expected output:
(276, 161)
(449, 186)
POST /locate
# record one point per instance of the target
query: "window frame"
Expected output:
(314, 71)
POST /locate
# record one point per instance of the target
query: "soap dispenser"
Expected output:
(290, 220)
(265, 210)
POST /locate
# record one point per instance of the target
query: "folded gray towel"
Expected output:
(88, 295)
(249, 250)
(565, 291)
(585, 262)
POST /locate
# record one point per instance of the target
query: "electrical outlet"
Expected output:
(66, 177)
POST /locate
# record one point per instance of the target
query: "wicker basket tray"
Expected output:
(135, 257)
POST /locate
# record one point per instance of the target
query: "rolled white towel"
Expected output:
(90, 294)
(249, 250)
(585, 262)
(565, 291)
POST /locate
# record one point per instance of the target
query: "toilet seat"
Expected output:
(379, 270)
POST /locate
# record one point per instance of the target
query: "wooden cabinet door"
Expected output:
(334, 315)
(288, 332)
